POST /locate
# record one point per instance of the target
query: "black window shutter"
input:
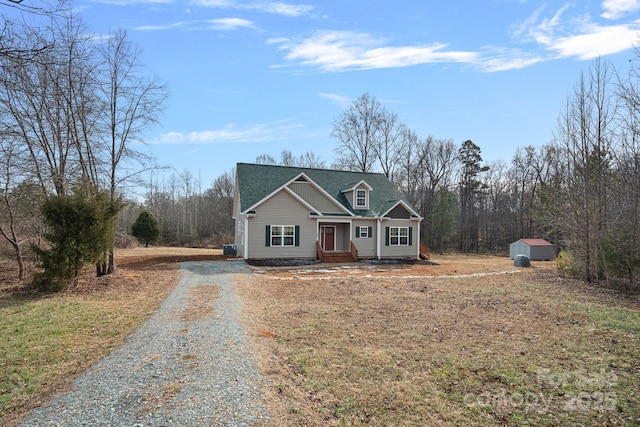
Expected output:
(357, 232)
(267, 236)
(386, 236)
(410, 236)
(370, 232)
(297, 235)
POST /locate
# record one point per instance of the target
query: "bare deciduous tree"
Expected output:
(77, 108)
(19, 221)
(51, 104)
(357, 130)
(132, 105)
(390, 145)
(578, 202)
(287, 158)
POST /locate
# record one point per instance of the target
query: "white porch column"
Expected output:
(418, 242)
(245, 238)
(379, 238)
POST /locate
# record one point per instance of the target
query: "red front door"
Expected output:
(328, 237)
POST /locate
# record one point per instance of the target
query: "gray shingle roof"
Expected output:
(256, 182)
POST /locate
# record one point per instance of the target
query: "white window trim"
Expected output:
(356, 198)
(399, 237)
(364, 232)
(283, 237)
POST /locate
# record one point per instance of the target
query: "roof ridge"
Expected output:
(308, 168)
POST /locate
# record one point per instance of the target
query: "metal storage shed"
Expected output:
(535, 249)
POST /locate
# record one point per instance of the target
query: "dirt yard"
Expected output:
(471, 340)
(463, 340)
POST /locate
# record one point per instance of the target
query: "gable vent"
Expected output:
(301, 179)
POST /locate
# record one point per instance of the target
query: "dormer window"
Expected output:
(358, 195)
(362, 199)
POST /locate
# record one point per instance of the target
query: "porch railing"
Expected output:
(337, 256)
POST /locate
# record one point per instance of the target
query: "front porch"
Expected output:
(337, 256)
(334, 243)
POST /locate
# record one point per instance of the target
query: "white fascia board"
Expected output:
(362, 182)
(334, 219)
(291, 193)
(322, 191)
(285, 186)
(270, 195)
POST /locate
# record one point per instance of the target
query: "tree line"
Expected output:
(467, 205)
(73, 107)
(580, 190)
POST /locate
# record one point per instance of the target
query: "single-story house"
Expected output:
(534, 249)
(330, 215)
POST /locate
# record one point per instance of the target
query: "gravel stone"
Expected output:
(175, 369)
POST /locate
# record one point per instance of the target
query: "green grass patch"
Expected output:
(47, 340)
(608, 316)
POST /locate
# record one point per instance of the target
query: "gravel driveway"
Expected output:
(188, 365)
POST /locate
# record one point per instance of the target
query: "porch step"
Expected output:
(337, 257)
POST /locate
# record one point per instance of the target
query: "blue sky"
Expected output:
(254, 77)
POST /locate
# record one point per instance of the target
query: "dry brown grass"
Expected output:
(470, 341)
(48, 340)
(201, 300)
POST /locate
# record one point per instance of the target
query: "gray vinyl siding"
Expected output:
(282, 209)
(342, 231)
(351, 196)
(314, 197)
(410, 251)
(366, 246)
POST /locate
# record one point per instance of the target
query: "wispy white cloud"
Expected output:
(341, 100)
(222, 24)
(230, 23)
(596, 41)
(544, 36)
(190, 152)
(539, 29)
(336, 51)
(232, 134)
(165, 27)
(563, 36)
(615, 9)
(214, 3)
(497, 59)
(285, 9)
(133, 2)
(275, 7)
(279, 8)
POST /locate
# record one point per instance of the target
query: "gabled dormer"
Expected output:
(358, 195)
